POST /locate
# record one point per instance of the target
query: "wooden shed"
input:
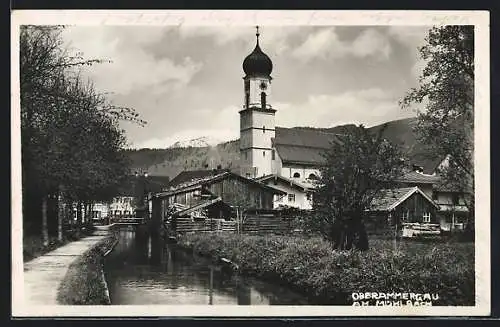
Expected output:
(409, 209)
(232, 189)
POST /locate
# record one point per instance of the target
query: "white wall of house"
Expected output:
(123, 205)
(293, 198)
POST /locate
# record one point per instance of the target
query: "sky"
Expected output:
(186, 81)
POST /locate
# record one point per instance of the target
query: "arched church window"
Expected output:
(296, 175)
(263, 99)
(263, 153)
(263, 129)
(313, 177)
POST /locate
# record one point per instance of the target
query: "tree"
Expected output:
(71, 141)
(446, 86)
(358, 165)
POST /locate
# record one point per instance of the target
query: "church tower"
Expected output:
(257, 119)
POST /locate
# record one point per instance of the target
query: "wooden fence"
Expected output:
(187, 224)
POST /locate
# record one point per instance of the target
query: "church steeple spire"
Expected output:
(257, 63)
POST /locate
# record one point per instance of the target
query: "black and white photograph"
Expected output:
(250, 163)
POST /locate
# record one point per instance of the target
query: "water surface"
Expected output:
(143, 271)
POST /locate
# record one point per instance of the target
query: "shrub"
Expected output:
(311, 266)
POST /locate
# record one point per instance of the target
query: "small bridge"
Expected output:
(127, 221)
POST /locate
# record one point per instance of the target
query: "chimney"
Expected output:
(418, 169)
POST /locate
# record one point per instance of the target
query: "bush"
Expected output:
(311, 266)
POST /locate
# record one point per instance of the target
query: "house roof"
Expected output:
(419, 178)
(389, 199)
(285, 180)
(193, 175)
(197, 183)
(303, 145)
(304, 137)
(424, 159)
(300, 155)
(199, 206)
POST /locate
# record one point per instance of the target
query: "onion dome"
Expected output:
(257, 63)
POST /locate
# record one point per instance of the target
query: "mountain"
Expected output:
(200, 154)
(171, 161)
(197, 143)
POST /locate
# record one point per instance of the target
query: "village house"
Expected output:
(124, 204)
(288, 161)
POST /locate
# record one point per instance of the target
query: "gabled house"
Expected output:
(409, 208)
(296, 194)
(221, 192)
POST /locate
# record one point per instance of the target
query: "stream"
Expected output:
(141, 271)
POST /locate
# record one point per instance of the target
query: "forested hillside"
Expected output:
(171, 161)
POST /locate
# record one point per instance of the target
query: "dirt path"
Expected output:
(43, 275)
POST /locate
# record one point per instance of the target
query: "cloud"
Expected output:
(132, 67)
(371, 42)
(413, 37)
(325, 44)
(275, 40)
(367, 106)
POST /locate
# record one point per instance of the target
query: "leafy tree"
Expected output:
(358, 165)
(446, 87)
(71, 141)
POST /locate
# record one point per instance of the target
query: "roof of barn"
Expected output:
(389, 199)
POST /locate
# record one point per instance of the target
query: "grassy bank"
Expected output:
(84, 283)
(310, 265)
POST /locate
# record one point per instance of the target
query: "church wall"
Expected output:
(289, 170)
(246, 139)
(255, 90)
(262, 139)
(245, 120)
(276, 163)
(262, 160)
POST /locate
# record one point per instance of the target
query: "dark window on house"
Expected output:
(454, 199)
(291, 197)
(405, 214)
(313, 177)
(296, 175)
(263, 153)
(434, 196)
(273, 155)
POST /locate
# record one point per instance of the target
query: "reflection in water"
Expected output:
(141, 270)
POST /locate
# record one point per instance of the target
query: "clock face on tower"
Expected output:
(263, 85)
